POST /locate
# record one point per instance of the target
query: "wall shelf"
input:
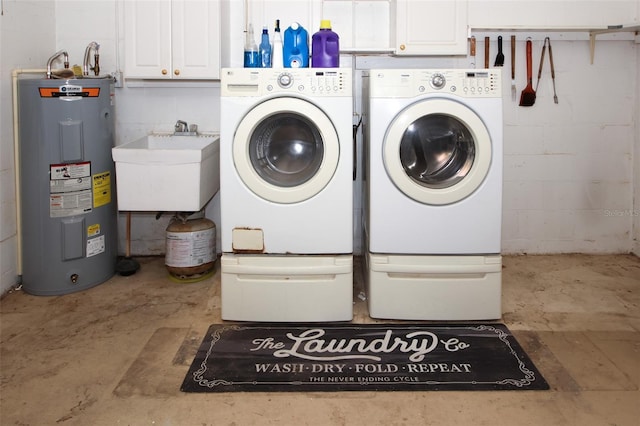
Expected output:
(568, 33)
(594, 33)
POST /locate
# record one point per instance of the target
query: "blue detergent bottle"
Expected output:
(296, 47)
(325, 47)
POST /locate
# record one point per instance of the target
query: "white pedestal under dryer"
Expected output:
(286, 190)
(433, 197)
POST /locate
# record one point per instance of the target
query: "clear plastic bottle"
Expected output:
(276, 49)
(325, 47)
(251, 54)
(265, 49)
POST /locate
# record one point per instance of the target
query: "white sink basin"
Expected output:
(167, 172)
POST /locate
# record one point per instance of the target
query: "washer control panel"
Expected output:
(312, 82)
(469, 83)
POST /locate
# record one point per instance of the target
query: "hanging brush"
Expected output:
(528, 95)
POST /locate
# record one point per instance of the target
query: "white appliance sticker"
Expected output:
(70, 204)
(70, 171)
(70, 190)
(69, 185)
(95, 246)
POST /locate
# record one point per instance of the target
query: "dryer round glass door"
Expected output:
(286, 150)
(437, 151)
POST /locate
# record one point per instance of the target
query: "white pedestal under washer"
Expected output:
(433, 202)
(286, 162)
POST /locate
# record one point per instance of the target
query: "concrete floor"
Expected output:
(117, 354)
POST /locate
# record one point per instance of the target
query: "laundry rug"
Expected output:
(360, 357)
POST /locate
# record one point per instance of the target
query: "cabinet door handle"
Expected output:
(176, 72)
(164, 72)
(402, 47)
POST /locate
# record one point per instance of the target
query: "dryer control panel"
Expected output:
(469, 83)
(324, 82)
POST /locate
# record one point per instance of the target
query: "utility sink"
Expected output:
(171, 173)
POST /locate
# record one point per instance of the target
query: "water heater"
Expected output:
(67, 180)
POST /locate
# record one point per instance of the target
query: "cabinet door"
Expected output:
(147, 27)
(555, 15)
(195, 39)
(431, 27)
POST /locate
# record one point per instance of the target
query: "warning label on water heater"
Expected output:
(70, 189)
(70, 171)
(101, 189)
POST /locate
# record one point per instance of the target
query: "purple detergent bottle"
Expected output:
(325, 47)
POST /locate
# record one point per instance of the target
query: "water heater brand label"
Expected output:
(69, 90)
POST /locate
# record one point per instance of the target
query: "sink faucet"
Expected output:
(96, 58)
(56, 56)
(181, 127)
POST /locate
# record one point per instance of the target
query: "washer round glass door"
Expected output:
(286, 150)
(437, 151)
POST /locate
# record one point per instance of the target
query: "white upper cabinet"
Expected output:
(419, 27)
(560, 14)
(430, 27)
(176, 39)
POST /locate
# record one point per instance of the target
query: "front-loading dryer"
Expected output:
(433, 202)
(286, 194)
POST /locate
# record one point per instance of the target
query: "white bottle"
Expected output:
(277, 60)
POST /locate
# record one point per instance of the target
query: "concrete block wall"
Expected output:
(569, 168)
(27, 40)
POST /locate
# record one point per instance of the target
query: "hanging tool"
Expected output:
(513, 68)
(472, 51)
(544, 48)
(500, 56)
(486, 52)
(547, 42)
(553, 73)
(528, 95)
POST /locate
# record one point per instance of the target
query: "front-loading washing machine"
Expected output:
(286, 194)
(433, 197)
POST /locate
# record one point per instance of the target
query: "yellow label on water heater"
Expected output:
(93, 230)
(101, 189)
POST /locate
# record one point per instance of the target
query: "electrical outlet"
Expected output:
(119, 79)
